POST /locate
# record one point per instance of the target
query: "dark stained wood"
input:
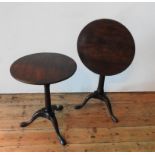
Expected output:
(88, 129)
(43, 68)
(106, 47)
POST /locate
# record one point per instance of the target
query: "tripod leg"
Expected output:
(85, 101)
(39, 113)
(57, 107)
(53, 119)
(109, 107)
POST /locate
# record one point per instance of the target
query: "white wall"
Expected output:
(27, 28)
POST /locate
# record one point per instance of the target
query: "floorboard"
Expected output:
(88, 129)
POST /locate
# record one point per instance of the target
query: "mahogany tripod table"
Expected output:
(44, 69)
(106, 47)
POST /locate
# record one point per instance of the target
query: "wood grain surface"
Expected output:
(88, 129)
(43, 68)
(106, 47)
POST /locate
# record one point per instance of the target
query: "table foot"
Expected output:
(109, 107)
(102, 97)
(50, 116)
(39, 113)
(53, 119)
(57, 107)
(79, 106)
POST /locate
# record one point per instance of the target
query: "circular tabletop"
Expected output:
(106, 47)
(43, 68)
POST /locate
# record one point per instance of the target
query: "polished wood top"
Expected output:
(43, 68)
(106, 47)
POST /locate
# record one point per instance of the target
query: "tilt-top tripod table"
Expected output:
(106, 47)
(44, 69)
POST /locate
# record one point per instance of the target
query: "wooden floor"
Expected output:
(88, 129)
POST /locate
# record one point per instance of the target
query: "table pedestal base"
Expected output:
(48, 113)
(99, 94)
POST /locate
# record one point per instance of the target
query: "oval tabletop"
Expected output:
(43, 68)
(106, 47)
